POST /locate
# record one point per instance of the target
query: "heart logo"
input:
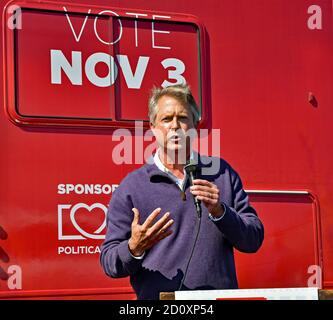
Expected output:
(96, 234)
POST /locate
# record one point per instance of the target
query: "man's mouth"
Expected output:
(174, 138)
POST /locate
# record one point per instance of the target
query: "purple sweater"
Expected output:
(162, 268)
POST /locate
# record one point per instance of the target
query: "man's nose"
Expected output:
(175, 123)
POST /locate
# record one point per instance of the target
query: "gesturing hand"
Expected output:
(144, 236)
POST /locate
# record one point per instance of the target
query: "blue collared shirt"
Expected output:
(180, 182)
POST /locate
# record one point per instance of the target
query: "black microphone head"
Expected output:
(190, 167)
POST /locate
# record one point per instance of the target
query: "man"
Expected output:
(152, 220)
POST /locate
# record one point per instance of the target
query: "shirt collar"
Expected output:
(161, 166)
(154, 171)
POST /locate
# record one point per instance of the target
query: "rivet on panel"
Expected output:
(312, 99)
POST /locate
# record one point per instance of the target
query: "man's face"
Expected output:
(172, 121)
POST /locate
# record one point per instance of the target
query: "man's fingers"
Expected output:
(166, 226)
(206, 194)
(163, 232)
(202, 182)
(151, 218)
(207, 200)
(136, 216)
(160, 223)
(204, 185)
(204, 189)
(161, 235)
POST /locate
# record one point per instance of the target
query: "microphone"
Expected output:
(190, 169)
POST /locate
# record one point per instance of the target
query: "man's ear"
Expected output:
(196, 124)
(152, 128)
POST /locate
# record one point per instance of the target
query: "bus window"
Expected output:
(79, 66)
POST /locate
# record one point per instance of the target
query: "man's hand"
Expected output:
(209, 194)
(144, 236)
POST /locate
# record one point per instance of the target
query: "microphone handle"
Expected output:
(196, 201)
